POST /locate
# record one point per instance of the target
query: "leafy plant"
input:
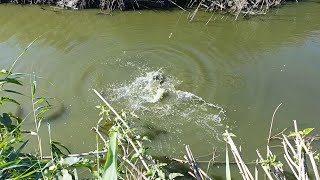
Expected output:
(110, 170)
(303, 133)
(132, 155)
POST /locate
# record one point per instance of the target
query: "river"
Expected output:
(218, 75)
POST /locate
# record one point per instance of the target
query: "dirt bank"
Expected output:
(235, 7)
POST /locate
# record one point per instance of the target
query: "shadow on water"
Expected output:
(56, 113)
(152, 132)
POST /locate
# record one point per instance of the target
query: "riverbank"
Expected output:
(230, 62)
(235, 7)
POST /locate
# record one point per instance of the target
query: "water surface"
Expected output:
(224, 74)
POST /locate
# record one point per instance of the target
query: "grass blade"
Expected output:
(110, 168)
(6, 99)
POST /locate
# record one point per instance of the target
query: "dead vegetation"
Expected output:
(235, 7)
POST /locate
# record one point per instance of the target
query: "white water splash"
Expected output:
(154, 91)
(154, 95)
(150, 88)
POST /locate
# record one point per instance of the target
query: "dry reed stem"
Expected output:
(135, 168)
(256, 170)
(193, 164)
(307, 151)
(125, 134)
(263, 167)
(81, 154)
(246, 174)
(272, 120)
(278, 171)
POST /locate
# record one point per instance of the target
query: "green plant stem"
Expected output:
(35, 118)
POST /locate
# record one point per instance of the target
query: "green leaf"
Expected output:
(4, 143)
(41, 100)
(16, 154)
(19, 74)
(6, 121)
(24, 176)
(307, 131)
(10, 80)
(3, 72)
(61, 145)
(56, 151)
(42, 110)
(34, 87)
(12, 91)
(9, 164)
(110, 167)
(15, 166)
(174, 175)
(19, 120)
(292, 134)
(6, 99)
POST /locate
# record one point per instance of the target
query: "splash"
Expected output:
(154, 90)
(144, 90)
(181, 113)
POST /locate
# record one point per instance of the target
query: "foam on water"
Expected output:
(183, 114)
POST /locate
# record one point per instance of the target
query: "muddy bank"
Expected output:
(235, 7)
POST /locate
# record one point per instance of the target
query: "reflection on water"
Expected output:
(226, 73)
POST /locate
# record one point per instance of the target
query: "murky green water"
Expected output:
(247, 67)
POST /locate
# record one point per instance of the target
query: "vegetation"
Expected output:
(235, 7)
(126, 156)
(299, 159)
(124, 149)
